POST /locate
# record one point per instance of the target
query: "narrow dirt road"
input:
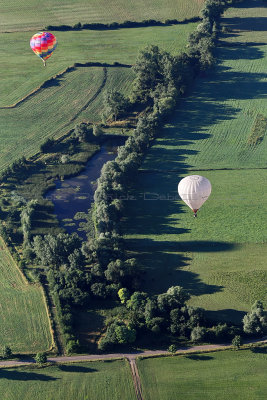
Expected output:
(136, 378)
(129, 356)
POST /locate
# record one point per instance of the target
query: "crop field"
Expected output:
(219, 132)
(24, 321)
(54, 110)
(22, 71)
(29, 15)
(79, 381)
(239, 375)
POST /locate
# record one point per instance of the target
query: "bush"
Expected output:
(198, 334)
(41, 358)
(6, 352)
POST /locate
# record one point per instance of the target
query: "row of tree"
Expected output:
(118, 25)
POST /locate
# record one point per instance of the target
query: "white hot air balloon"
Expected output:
(194, 190)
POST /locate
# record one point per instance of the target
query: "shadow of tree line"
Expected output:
(151, 213)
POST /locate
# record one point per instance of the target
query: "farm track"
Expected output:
(130, 356)
(136, 378)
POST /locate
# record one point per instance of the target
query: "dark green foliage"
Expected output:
(198, 334)
(117, 333)
(172, 349)
(237, 342)
(83, 132)
(115, 104)
(55, 250)
(255, 322)
(6, 352)
(73, 346)
(41, 358)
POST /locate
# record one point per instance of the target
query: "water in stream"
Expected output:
(76, 194)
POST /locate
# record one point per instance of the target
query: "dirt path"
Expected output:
(136, 378)
(129, 356)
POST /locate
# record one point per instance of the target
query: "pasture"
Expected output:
(239, 375)
(24, 320)
(79, 381)
(55, 110)
(220, 257)
(22, 71)
(30, 15)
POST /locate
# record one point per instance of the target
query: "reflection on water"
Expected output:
(76, 194)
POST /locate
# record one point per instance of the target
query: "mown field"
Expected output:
(22, 71)
(24, 322)
(28, 14)
(221, 256)
(48, 113)
(79, 381)
(54, 110)
(239, 375)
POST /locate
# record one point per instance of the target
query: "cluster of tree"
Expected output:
(76, 273)
(17, 167)
(118, 25)
(85, 132)
(255, 322)
(164, 313)
(26, 220)
(115, 104)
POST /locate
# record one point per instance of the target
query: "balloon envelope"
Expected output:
(194, 190)
(43, 44)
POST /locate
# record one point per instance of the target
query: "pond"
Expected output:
(76, 194)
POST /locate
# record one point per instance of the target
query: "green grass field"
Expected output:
(79, 381)
(53, 111)
(239, 375)
(24, 322)
(29, 14)
(221, 256)
(22, 71)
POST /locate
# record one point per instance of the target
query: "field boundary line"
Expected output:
(59, 75)
(50, 319)
(25, 280)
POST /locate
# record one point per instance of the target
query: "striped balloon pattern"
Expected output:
(43, 44)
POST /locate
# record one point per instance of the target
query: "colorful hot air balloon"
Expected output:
(43, 44)
(194, 190)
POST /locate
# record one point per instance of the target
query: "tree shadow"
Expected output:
(257, 24)
(24, 376)
(259, 350)
(228, 315)
(197, 357)
(76, 368)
